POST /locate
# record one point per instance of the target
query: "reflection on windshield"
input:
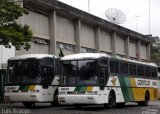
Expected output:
(81, 72)
(87, 73)
(23, 71)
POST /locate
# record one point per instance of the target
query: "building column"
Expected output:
(113, 43)
(138, 50)
(52, 32)
(126, 47)
(148, 52)
(78, 35)
(96, 39)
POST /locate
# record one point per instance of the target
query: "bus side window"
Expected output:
(154, 72)
(132, 69)
(147, 71)
(114, 66)
(140, 70)
(123, 68)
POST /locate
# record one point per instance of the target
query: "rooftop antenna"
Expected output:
(137, 17)
(115, 16)
(88, 6)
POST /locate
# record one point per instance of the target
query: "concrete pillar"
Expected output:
(78, 35)
(138, 50)
(52, 32)
(148, 52)
(126, 47)
(113, 43)
(96, 39)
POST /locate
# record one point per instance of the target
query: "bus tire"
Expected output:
(146, 100)
(28, 104)
(111, 100)
(55, 98)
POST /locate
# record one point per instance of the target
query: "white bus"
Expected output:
(159, 83)
(32, 78)
(94, 78)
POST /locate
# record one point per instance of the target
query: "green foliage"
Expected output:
(155, 50)
(12, 33)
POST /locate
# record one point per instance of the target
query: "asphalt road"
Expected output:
(45, 108)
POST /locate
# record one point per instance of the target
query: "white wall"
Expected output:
(5, 54)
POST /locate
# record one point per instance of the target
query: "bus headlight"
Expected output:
(34, 91)
(92, 92)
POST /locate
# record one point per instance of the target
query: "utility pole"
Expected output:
(137, 21)
(149, 17)
(88, 6)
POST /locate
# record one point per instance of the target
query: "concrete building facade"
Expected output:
(56, 26)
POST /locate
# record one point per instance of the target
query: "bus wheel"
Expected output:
(111, 100)
(28, 104)
(146, 100)
(55, 97)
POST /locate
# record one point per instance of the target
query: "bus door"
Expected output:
(103, 75)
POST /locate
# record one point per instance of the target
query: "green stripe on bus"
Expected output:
(83, 89)
(129, 89)
(24, 88)
(124, 89)
(78, 88)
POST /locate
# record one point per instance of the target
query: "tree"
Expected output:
(155, 50)
(12, 33)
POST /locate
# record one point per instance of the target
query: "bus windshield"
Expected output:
(24, 72)
(80, 72)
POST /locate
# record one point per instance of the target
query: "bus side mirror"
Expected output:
(101, 84)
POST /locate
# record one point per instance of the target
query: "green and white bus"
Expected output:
(95, 78)
(32, 78)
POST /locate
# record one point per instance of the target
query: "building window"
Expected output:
(87, 50)
(40, 41)
(143, 60)
(108, 53)
(120, 56)
(133, 58)
(64, 46)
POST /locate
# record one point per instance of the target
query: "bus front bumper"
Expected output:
(80, 99)
(22, 97)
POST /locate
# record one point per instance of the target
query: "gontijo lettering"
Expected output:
(144, 82)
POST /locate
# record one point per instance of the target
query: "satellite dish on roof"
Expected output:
(115, 16)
